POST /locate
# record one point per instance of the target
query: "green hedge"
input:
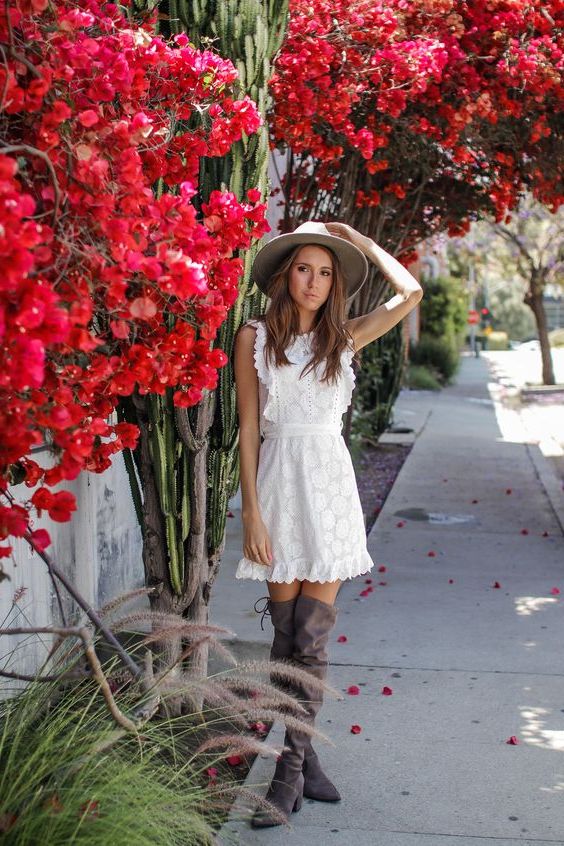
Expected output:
(439, 354)
(443, 327)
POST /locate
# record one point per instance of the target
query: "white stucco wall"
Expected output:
(99, 550)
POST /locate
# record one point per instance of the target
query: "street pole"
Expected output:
(472, 293)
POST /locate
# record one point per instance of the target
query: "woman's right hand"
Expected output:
(256, 542)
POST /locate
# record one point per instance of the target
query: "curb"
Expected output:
(549, 481)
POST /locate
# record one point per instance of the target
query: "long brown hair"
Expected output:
(282, 321)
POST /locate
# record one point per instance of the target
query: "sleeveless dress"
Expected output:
(306, 486)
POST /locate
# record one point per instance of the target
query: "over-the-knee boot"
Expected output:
(286, 788)
(313, 622)
(316, 784)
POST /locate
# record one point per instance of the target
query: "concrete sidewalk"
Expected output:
(470, 665)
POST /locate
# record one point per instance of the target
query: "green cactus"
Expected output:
(249, 33)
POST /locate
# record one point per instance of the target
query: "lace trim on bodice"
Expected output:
(267, 374)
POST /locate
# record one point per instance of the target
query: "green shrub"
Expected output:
(418, 377)
(443, 309)
(439, 354)
(495, 341)
(556, 338)
(378, 382)
(68, 774)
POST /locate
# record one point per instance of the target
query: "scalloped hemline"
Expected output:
(247, 569)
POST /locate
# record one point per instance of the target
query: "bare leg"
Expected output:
(282, 591)
(324, 591)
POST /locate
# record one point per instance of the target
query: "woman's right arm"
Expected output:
(256, 543)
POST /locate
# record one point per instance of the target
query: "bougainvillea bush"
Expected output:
(109, 284)
(426, 113)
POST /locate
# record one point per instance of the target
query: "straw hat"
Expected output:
(268, 259)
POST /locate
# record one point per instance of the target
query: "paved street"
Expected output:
(470, 665)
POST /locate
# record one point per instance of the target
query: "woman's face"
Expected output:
(311, 277)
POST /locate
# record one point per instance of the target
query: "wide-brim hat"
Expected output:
(268, 259)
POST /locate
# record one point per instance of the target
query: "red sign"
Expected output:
(473, 316)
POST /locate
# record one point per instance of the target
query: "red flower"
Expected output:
(513, 741)
(431, 554)
(61, 507)
(400, 524)
(524, 531)
(353, 690)
(355, 729)
(496, 585)
(41, 539)
(382, 569)
(141, 305)
(42, 499)
(342, 639)
(90, 809)
(555, 591)
(234, 760)
(387, 691)
(259, 727)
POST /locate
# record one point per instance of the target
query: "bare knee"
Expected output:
(282, 591)
(324, 591)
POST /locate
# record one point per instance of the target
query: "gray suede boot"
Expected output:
(313, 622)
(316, 784)
(286, 788)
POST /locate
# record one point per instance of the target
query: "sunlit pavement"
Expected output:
(537, 420)
(465, 625)
(523, 366)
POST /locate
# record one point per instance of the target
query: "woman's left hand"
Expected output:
(343, 230)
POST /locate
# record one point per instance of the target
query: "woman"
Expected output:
(303, 524)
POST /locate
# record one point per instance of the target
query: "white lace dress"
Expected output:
(306, 486)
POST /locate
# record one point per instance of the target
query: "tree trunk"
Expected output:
(534, 299)
(191, 603)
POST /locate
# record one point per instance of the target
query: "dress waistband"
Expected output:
(283, 430)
